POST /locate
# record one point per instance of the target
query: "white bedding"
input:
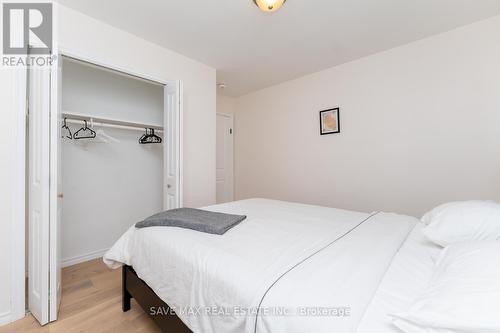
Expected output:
(235, 271)
(405, 280)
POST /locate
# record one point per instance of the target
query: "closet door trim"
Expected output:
(91, 61)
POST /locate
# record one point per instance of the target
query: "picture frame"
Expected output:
(329, 121)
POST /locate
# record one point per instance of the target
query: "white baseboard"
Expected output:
(82, 258)
(5, 318)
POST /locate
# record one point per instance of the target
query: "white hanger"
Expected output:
(101, 136)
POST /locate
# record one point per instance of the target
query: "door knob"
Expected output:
(60, 195)
(169, 186)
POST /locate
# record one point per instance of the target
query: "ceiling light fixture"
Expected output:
(269, 5)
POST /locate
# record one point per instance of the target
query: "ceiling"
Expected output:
(252, 50)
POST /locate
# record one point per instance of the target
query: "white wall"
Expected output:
(226, 104)
(91, 90)
(420, 126)
(83, 35)
(108, 186)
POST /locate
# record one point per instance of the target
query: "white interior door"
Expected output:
(39, 196)
(172, 146)
(56, 194)
(225, 159)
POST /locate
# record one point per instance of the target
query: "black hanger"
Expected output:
(65, 127)
(153, 138)
(86, 133)
(143, 137)
(149, 137)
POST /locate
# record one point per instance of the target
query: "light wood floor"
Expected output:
(91, 302)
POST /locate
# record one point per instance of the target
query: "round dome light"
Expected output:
(269, 5)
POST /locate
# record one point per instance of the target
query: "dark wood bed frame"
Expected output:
(159, 311)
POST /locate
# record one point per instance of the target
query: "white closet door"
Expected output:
(56, 195)
(172, 152)
(39, 196)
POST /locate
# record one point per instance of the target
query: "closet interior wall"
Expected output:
(108, 186)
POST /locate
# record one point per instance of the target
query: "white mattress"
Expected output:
(189, 268)
(405, 280)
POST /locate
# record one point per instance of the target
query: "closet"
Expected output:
(113, 158)
(109, 179)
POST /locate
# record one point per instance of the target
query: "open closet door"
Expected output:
(172, 153)
(56, 194)
(38, 191)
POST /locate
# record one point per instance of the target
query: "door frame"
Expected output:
(18, 188)
(54, 291)
(231, 117)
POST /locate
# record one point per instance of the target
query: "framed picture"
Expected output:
(329, 121)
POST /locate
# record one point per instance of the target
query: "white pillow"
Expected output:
(463, 294)
(463, 221)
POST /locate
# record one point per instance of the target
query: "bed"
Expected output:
(287, 268)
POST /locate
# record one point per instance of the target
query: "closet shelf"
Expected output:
(110, 122)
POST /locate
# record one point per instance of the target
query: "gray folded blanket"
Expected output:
(195, 219)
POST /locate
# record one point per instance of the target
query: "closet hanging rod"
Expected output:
(99, 124)
(108, 122)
